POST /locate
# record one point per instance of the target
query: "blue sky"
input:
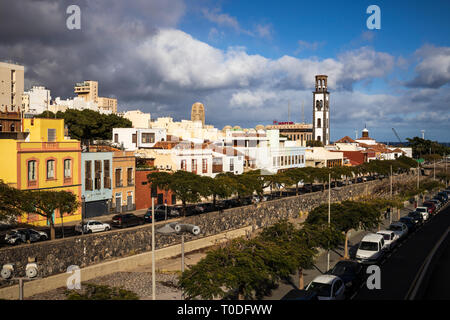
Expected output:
(246, 60)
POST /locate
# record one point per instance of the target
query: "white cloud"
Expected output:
(433, 70)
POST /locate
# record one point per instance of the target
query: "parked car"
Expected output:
(390, 238)
(424, 212)
(417, 217)
(444, 195)
(92, 226)
(126, 220)
(409, 222)
(159, 216)
(296, 294)
(431, 207)
(371, 249)
(327, 287)
(437, 203)
(351, 272)
(400, 229)
(18, 236)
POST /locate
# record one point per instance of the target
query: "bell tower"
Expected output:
(321, 111)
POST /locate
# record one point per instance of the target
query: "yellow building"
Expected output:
(44, 160)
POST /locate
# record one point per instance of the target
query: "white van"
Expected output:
(371, 248)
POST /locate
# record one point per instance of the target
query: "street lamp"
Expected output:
(31, 271)
(180, 228)
(83, 210)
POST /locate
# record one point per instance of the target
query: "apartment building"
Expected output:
(88, 90)
(45, 159)
(96, 177)
(123, 182)
(11, 91)
(138, 138)
(36, 100)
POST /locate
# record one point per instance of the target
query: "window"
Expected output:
(87, 175)
(32, 170)
(1, 127)
(183, 165)
(130, 176)
(194, 165)
(51, 169)
(133, 138)
(231, 164)
(116, 137)
(118, 177)
(107, 179)
(148, 137)
(98, 174)
(205, 165)
(51, 135)
(319, 123)
(67, 168)
(13, 127)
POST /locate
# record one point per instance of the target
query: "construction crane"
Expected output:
(399, 140)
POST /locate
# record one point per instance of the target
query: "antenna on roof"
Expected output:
(356, 134)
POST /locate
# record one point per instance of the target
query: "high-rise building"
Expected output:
(11, 91)
(87, 90)
(198, 112)
(321, 110)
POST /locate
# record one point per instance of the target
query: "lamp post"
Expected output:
(390, 214)
(153, 251)
(329, 216)
(83, 209)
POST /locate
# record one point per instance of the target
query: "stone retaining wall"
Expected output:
(54, 257)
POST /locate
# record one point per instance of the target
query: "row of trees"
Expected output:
(88, 124)
(190, 187)
(422, 147)
(249, 268)
(14, 203)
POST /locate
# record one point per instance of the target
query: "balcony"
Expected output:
(119, 183)
(130, 182)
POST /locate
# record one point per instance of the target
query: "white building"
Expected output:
(138, 118)
(137, 138)
(37, 100)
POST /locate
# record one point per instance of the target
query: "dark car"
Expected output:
(19, 236)
(296, 294)
(409, 223)
(431, 207)
(160, 215)
(417, 217)
(444, 196)
(351, 272)
(126, 220)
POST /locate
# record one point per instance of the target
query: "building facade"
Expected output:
(198, 112)
(135, 138)
(143, 192)
(96, 177)
(301, 132)
(37, 101)
(123, 184)
(11, 92)
(45, 160)
(321, 111)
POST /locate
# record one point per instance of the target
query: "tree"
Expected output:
(45, 203)
(346, 216)
(12, 202)
(314, 143)
(87, 125)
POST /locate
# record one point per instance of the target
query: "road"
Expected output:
(401, 266)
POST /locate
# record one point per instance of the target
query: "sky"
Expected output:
(246, 61)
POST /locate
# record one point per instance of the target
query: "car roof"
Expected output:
(372, 237)
(325, 278)
(385, 232)
(397, 223)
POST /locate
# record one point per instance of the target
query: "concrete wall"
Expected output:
(55, 256)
